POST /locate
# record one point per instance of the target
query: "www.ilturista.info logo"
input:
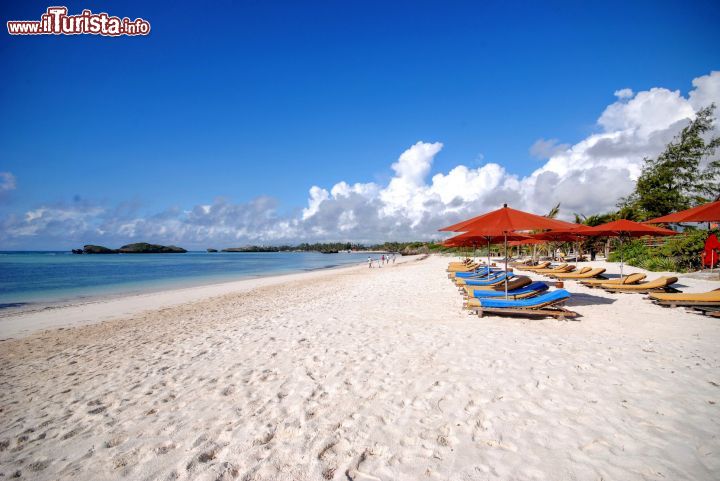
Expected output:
(56, 21)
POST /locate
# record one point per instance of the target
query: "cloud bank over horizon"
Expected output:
(587, 177)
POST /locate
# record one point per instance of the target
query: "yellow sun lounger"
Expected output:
(527, 263)
(557, 270)
(661, 284)
(566, 271)
(681, 299)
(463, 268)
(559, 266)
(582, 274)
(628, 279)
(541, 265)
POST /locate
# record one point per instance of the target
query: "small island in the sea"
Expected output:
(136, 248)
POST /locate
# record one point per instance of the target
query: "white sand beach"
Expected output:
(359, 374)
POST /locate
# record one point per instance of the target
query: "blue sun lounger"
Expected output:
(548, 304)
(481, 277)
(530, 290)
(484, 271)
(489, 281)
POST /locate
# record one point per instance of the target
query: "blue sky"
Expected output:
(246, 99)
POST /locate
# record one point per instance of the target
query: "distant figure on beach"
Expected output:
(370, 262)
(382, 259)
(393, 258)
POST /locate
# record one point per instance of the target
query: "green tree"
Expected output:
(553, 212)
(682, 176)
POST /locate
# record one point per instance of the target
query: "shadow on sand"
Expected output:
(582, 299)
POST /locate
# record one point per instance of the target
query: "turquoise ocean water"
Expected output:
(52, 277)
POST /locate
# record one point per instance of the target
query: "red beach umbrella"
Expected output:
(621, 229)
(525, 242)
(709, 212)
(474, 238)
(503, 222)
(556, 236)
(508, 219)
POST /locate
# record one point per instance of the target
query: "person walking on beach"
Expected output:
(370, 262)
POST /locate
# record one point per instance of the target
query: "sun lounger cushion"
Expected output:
(541, 265)
(495, 280)
(533, 302)
(480, 272)
(495, 275)
(536, 286)
(514, 283)
(712, 296)
(629, 279)
(658, 283)
(580, 275)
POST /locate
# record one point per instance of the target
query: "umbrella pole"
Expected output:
(578, 254)
(488, 266)
(622, 254)
(506, 267)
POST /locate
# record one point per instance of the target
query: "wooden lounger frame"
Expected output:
(593, 285)
(707, 311)
(576, 275)
(683, 303)
(597, 277)
(550, 309)
(461, 288)
(639, 291)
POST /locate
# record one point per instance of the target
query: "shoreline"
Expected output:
(58, 296)
(18, 322)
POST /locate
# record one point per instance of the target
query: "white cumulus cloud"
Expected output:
(587, 177)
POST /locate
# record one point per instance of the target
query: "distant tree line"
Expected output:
(330, 247)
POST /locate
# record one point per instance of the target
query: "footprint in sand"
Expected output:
(114, 441)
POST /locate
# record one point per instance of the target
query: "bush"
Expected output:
(686, 249)
(680, 254)
(633, 252)
(657, 263)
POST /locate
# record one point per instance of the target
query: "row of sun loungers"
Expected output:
(483, 288)
(594, 278)
(484, 291)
